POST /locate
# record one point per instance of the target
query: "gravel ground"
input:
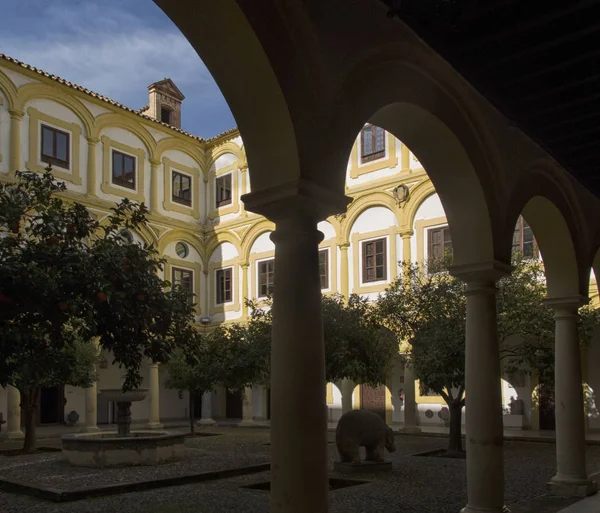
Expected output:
(416, 484)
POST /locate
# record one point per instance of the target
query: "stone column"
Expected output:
(15, 141)
(245, 294)
(571, 477)
(91, 409)
(347, 389)
(410, 404)
(154, 185)
(247, 408)
(206, 418)
(299, 456)
(299, 413)
(13, 420)
(344, 276)
(485, 437)
(91, 164)
(153, 397)
(243, 168)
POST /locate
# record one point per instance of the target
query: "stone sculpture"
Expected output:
(363, 428)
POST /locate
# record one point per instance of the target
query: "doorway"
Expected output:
(51, 406)
(373, 399)
(546, 408)
(234, 405)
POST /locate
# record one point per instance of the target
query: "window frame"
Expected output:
(270, 284)
(177, 199)
(374, 154)
(221, 295)
(48, 159)
(219, 203)
(430, 231)
(176, 268)
(124, 155)
(169, 114)
(520, 226)
(326, 276)
(364, 268)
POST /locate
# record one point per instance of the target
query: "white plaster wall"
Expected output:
(157, 134)
(179, 157)
(63, 113)
(238, 140)
(430, 208)
(4, 133)
(327, 229)
(130, 139)
(96, 110)
(75, 397)
(171, 406)
(223, 252)
(193, 256)
(413, 162)
(385, 172)
(17, 78)
(335, 408)
(223, 161)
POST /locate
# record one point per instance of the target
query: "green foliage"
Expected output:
(357, 347)
(60, 267)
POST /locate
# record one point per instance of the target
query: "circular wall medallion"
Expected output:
(127, 236)
(182, 250)
(429, 414)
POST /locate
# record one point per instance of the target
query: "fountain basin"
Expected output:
(106, 449)
(117, 395)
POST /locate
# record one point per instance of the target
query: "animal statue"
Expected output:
(363, 428)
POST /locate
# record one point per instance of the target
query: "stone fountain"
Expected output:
(123, 447)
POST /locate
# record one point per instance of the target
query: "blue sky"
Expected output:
(115, 48)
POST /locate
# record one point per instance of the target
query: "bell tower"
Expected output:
(164, 102)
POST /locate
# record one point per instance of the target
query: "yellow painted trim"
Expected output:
(220, 149)
(329, 393)
(107, 186)
(188, 265)
(36, 118)
(168, 204)
(38, 90)
(255, 258)
(216, 239)
(389, 161)
(14, 163)
(234, 304)
(404, 157)
(356, 398)
(119, 121)
(333, 266)
(142, 231)
(245, 292)
(344, 275)
(420, 227)
(388, 402)
(418, 194)
(254, 233)
(194, 151)
(426, 399)
(392, 260)
(234, 207)
(362, 203)
(9, 89)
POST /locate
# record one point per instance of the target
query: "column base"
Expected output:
(90, 429)
(154, 425)
(565, 487)
(206, 422)
(13, 435)
(410, 429)
(470, 509)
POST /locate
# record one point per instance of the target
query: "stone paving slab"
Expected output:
(415, 485)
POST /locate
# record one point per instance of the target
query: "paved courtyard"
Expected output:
(417, 483)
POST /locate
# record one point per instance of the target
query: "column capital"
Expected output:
(568, 305)
(296, 198)
(92, 140)
(16, 113)
(343, 245)
(481, 273)
(406, 234)
(155, 162)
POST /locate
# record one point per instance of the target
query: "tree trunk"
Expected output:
(192, 413)
(29, 400)
(455, 437)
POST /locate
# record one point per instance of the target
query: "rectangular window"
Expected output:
(439, 246)
(523, 240)
(374, 260)
(123, 170)
(324, 268)
(184, 278)
(55, 147)
(165, 115)
(223, 190)
(224, 286)
(372, 143)
(266, 275)
(181, 188)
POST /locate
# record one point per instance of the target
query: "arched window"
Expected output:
(372, 143)
(523, 240)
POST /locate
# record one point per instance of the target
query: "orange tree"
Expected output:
(65, 278)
